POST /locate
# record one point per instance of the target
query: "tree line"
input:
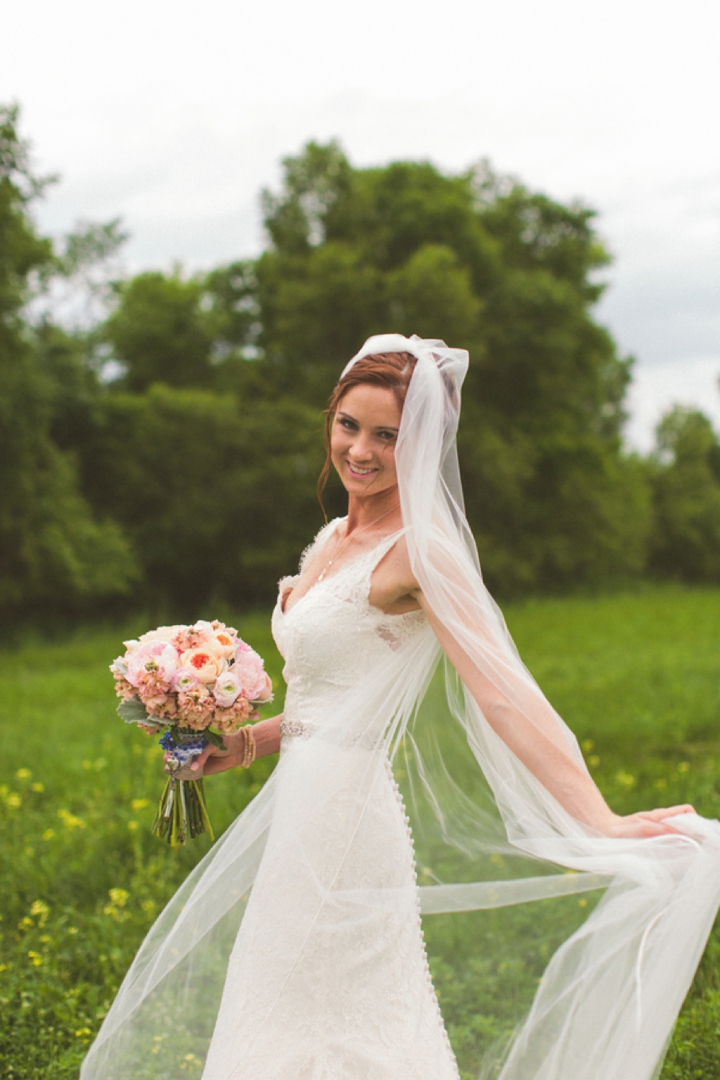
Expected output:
(163, 452)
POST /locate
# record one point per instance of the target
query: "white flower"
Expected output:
(227, 689)
(185, 679)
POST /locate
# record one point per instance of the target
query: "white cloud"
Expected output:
(175, 114)
(656, 388)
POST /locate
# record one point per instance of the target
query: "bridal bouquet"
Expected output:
(194, 683)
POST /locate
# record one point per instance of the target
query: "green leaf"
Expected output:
(133, 712)
(215, 739)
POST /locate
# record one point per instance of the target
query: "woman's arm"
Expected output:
(555, 768)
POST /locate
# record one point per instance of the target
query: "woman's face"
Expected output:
(362, 440)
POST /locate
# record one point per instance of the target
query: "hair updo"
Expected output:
(390, 371)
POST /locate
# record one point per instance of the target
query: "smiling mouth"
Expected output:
(357, 471)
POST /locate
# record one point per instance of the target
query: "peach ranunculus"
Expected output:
(222, 643)
(205, 663)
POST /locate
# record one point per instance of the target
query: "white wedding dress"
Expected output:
(294, 949)
(359, 1003)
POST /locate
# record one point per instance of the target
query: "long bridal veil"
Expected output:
(576, 950)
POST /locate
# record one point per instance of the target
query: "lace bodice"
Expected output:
(331, 637)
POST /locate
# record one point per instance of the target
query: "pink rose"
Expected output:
(152, 657)
(266, 692)
(249, 668)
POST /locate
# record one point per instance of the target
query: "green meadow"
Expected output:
(636, 675)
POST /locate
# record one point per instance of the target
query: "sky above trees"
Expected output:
(174, 115)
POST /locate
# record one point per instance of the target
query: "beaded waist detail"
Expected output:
(296, 728)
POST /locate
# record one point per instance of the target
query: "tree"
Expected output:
(482, 262)
(52, 549)
(159, 332)
(217, 497)
(685, 541)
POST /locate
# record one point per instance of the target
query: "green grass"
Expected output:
(636, 676)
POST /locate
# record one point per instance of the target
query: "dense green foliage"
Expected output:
(163, 450)
(81, 878)
(52, 546)
(687, 498)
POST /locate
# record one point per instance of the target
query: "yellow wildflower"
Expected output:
(40, 910)
(70, 821)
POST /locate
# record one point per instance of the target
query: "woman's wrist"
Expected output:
(266, 734)
(243, 747)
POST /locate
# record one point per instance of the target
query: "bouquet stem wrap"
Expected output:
(182, 811)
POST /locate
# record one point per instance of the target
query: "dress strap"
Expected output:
(366, 563)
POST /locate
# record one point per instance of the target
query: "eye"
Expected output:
(349, 425)
(386, 436)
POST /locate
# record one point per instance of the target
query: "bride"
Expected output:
(295, 949)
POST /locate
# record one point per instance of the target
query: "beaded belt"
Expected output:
(296, 728)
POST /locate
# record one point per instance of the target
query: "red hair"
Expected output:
(390, 371)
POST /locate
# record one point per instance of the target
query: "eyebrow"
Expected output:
(378, 427)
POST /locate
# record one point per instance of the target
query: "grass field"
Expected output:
(636, 676)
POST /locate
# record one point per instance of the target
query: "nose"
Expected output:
(361, 448)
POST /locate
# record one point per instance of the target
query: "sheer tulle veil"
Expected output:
(489, 838)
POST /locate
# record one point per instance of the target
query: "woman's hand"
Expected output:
(213, 760)
(646, 822)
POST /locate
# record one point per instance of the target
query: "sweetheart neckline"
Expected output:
(285, 611)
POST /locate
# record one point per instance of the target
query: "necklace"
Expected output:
(348, 539)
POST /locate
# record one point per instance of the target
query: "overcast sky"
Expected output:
(174, 115)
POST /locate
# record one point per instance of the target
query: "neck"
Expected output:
(363, 511)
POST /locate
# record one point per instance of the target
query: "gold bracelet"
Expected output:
(250, 749)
